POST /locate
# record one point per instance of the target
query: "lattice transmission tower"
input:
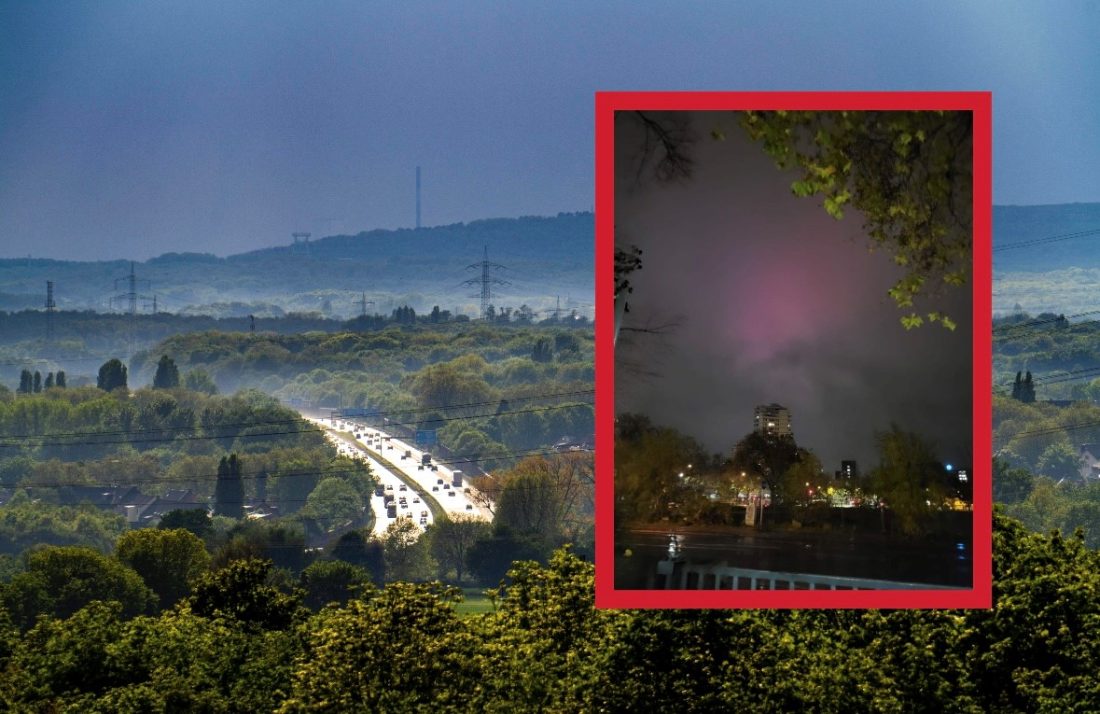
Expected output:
(486, 280)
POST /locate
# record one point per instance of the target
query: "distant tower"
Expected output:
(849, 470)
(417, 196)
(363, 305)
(131, 297)
(486, 281)
(772, 420)
(51, 308)
(301, 241)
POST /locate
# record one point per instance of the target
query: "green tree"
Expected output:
(489, 559)
(451, 541)
(328, 581)
(60, 580)
(407, 554)
(1060, 461)
(61, 379)
(168, 375)
(197, 380)
(229, 490)
(767, 457)
(112, 375)
(541, 352)
(332, 503)
(241, 591)
(356, 548)
(1010, 485)
(908, 478)
(403, 649)
(169, 561)
(48, 384)
(805, 470)
(37, 384)
(26, 382)
(530, 503)
(648, 464)
(193, 520)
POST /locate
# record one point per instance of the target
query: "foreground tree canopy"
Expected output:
(243, 644)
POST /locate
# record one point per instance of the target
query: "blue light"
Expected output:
(950, 467)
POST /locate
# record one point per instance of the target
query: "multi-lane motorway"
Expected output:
(407, 489)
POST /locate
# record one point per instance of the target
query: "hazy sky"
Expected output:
(130, 129)
(777, 302)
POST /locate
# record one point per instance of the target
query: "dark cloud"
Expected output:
(780, 303)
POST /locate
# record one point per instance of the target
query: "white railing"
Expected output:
(720, 576)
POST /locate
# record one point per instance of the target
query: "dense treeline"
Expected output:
(664, 475)
(65, 446)
(1062, 355)
(494, 391)
(1046, 429)
(70, 556)
(242, 641)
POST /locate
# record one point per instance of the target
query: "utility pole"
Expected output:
(486, 281)
(51, 308)
(252, 324)
(363, 305)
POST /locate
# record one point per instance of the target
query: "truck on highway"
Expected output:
(456, 479)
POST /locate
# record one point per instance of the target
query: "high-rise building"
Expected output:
(848, 470)
(772, 419)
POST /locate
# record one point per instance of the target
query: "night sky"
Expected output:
(128, 129)
(777, 302)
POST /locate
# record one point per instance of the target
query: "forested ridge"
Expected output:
(546, 258)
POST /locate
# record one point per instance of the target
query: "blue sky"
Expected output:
(132, 129)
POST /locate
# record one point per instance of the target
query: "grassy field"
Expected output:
(475, 602)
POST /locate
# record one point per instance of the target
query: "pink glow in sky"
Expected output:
(777, 302)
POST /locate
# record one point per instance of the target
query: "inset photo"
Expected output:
(793, 402)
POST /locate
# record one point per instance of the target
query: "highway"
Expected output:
(373, 444)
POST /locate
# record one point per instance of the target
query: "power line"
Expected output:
(1048, 239)
(1058, 376)
(1037, 322)
(1051, 430)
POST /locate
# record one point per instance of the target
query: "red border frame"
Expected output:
(607, 596)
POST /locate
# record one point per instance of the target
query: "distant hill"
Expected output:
(545, 258)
